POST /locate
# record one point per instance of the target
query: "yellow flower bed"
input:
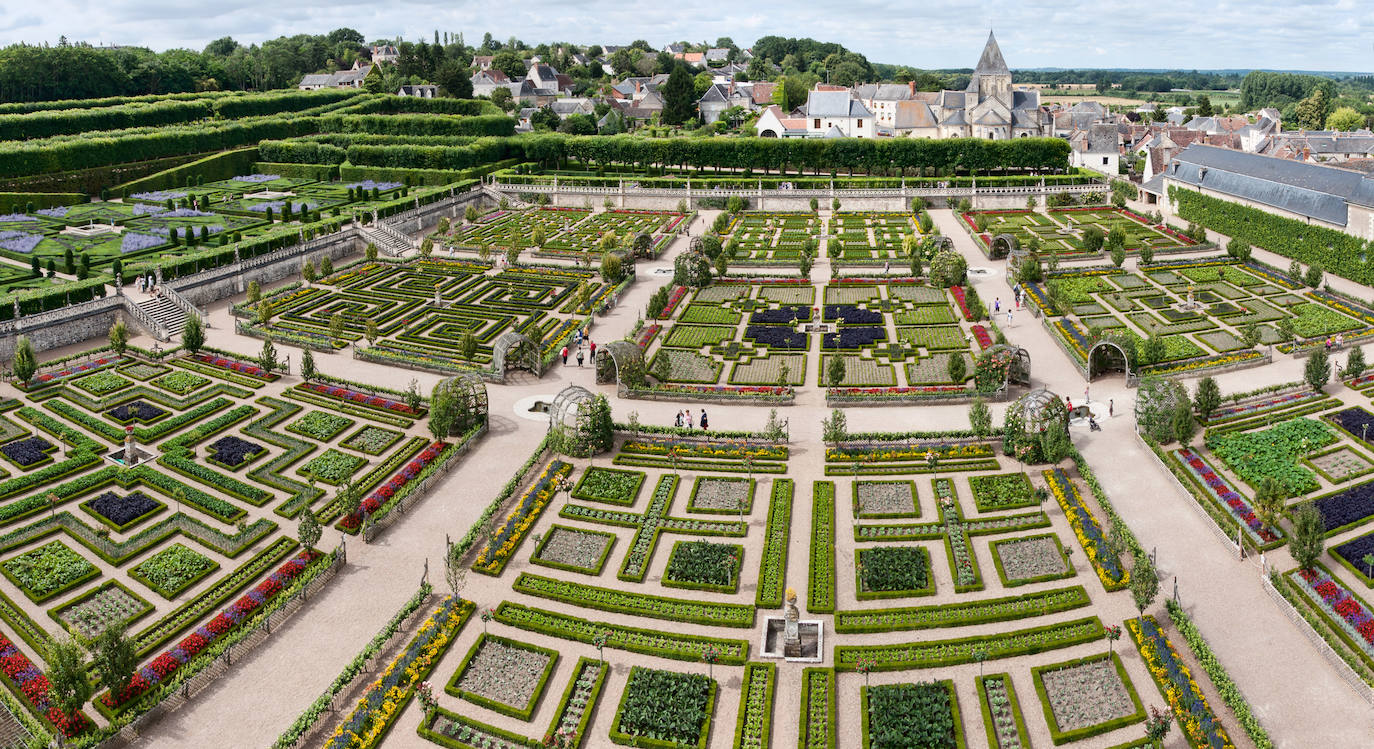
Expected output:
(520, 519)
(1081, 520)
(1182, 692)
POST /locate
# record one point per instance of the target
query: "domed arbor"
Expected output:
(514, 350)
(1003, 245)
(620, 362)
(642, 246)
(465, 397)
(1037, 427)
(1001, 366)
(581, 422)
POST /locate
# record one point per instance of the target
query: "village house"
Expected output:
(351, 78)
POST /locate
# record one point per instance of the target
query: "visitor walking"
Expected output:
(1111, 406)
(565, 355)
(689, 418)
(1008, 317)
(579, 358)
(678, 422)
(886, 265)
(1068, 403)
(704, 425)
(593, 348)
(997, 305)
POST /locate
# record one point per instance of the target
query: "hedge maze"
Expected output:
(743, 333)
(1061, 230)
(198, 539)
(568, 232)
(544, 304)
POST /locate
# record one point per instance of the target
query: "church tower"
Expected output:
(992, 78)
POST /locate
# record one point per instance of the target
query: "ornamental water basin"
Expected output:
(534, 407)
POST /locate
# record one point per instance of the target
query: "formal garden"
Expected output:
(1189, 316)
(1074, 233)
(160, 507)
(627, 597)
(579, 234)
(854, 333)
(434, 314)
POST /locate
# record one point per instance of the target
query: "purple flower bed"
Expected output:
(1353, 420)
(159, 195)
(852, 315)
(19, 241)
(1221, 489)
(257, 178)
(186, 213)
(1250, 409)
(776, 337)
(122, 511)
(277, 205)
(1354, 551)
(143, 209)
(181, 231)
(10, 218)
(234, 452)
(27, 452)
(853, 338)
(135, 411)
(784, 315)
(368, 184)
(57, 212)
(135, 242)
(1347, 507)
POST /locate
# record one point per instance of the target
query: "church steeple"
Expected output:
(991, 63)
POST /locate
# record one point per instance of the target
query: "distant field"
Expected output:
(1061, 96)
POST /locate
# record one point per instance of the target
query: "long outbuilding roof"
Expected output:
(1312, 190)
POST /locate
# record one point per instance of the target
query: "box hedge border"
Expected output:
(1062, 736)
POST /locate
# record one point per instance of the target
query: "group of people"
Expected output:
(579, 344)
(684, 419)
(1336, 343)
(146, 284)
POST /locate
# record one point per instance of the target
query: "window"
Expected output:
(1104, 161)
(861, 124)
(817, 126)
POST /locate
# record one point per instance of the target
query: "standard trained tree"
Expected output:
(25, 361)
(980, 418)
(193, 333)
(1144, 582)
(67, 681)
(119, 336)
(1317, 372)
(1308, 540)
(1208, 397)
(113, 654)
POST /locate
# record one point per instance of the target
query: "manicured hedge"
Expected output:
(1065, 736)
(1335, 251)
(820, 598)
(773, 564)
(638, 604)
(935, 653)
(962, 613)
(419, 124)
(653, 642)
(209, 169)
(18, 201)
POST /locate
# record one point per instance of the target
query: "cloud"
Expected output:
(934, 34)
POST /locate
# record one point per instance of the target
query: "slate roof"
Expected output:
(834, 104)
(1311, 190)
(318, 79)
(914, 114)
(990, 63)
(884, 91)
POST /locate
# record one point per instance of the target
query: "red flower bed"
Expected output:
(679, 292)
(167, 664)
(916, 390)
(85, 368)
(958, 293)
(234, 365)
(353, 396)
(385, 492)
(36, 689)
(981, 335)
(648, 335)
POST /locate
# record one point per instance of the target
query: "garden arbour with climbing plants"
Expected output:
(191, 547)
(544, 305)
(635, 584)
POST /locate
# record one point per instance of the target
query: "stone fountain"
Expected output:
(131, 454)
(790, 637)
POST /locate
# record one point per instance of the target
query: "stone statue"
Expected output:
(791, 636)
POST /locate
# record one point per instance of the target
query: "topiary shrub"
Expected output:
(948, 269)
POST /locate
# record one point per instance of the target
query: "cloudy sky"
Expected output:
(1270, 34)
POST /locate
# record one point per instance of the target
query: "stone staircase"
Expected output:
(165, 313)
(389, 241)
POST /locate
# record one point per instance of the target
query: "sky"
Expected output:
(1335, 35)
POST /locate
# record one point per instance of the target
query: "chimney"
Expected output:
(911, 88)
(1306, 153)
(637, 86)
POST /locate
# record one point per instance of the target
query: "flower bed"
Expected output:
(959, 298)
(638, 604)
(165, 666)
(981, 335)
(492, 559)
(1348, 612)
(574, 549)
(773, 563)
(122, 513)
(1089, 533)
(894, 394)
(1255, 408)
(234, 365)
(703, 565)
(1006, 727)
(30, 682)
(380, 502)
(1185, 697)
(389, 695)
(725, 393)
(1002, 492)
(51, 378)
(1221, 492)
